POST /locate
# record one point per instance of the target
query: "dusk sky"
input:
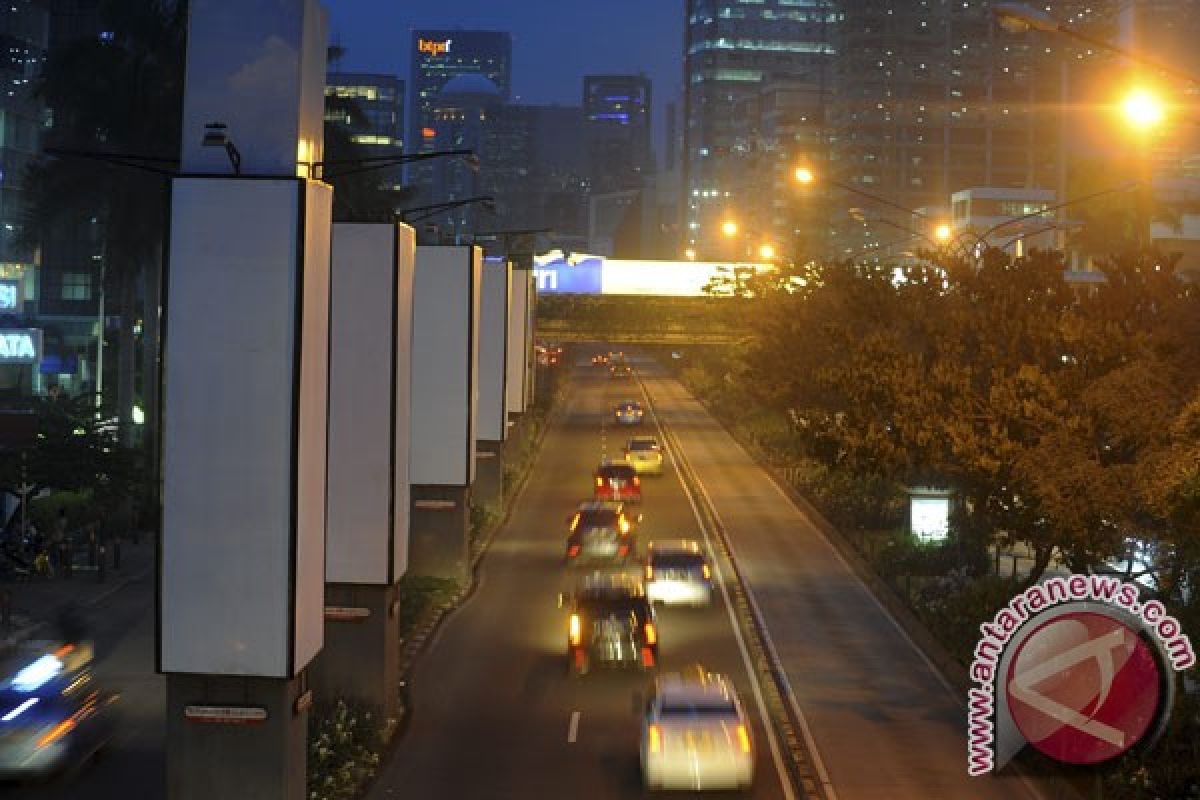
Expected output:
(555, 42)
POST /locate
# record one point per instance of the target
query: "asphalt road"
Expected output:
(134, 765)
(492, 702)
(883, 723)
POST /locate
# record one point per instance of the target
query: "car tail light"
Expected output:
(654, 738)
(743, 738)
(707, 573)
(651, 634)
(648, 656)
(624, 525)
(573, 551)
(649, 572)
(599, 481)
(637, 481)
(575, 630)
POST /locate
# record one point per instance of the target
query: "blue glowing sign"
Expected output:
(10, 295)
(586, 276)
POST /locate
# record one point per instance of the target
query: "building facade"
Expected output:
(617, 126)
(438, 57)
(731, 51)
(369, 107)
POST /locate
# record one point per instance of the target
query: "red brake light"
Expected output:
(573, 551)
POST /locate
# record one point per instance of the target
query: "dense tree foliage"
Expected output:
(1065, 418)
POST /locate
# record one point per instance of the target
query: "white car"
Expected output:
(677, 573)
(644, 454)
(696, 735)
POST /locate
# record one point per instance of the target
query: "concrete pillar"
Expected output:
(361, 657)
(445, 403)
(369, 392)
(488, 490)
(494, 331)
(233, 736)
(245, 389)
(438, 544)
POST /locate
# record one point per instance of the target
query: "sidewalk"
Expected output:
(36, 601)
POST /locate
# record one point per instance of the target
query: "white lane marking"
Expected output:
(573, 727)
(784, 780)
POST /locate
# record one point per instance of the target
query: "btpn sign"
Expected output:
(23, 346)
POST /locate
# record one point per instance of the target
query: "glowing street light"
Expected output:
(766, 251)
(690, 254)
(729, 228)
(1143, 109)
(943, 232)
(804, 175)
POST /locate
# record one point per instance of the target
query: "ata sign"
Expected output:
(432, 47)
(20, 346)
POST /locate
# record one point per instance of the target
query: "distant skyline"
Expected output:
(555, 42)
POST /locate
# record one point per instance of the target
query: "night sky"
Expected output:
(555, 42)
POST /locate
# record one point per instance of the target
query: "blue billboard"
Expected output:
(570, 276)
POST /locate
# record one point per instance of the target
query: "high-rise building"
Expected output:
(370, 108)
(732, 49)
(439, 56)
(617, 129)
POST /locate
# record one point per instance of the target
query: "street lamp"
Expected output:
(729, 228)
(1143, 109)
(1020, 18)
(766, 251)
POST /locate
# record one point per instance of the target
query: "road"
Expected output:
(492, 703)
(883, 722)
(134, 765)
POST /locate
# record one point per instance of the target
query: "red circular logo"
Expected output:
(1083, 688)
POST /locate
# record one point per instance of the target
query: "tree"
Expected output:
(121, 93)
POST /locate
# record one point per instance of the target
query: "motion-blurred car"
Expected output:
(677, 573)
(629, 413)
(601, 531)
(600, 360)
(695, 735)
(52, 714)
(620, 371)
(644, 454)
(611, 623)
(614, 480)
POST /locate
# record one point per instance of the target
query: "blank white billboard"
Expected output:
(519, 344)
(495, 290)
(246, 377)
(445, 380)
(368, 395)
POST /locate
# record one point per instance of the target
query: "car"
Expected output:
(601, 531)
(677, 573)
(644, 454)
(600, 360)
(616, 480)
(53, 716)
(620, 371)
(629, 413)
(611, 623)
(695, 734)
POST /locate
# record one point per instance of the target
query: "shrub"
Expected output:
(344, 745)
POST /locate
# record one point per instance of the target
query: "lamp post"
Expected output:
(1019, 18)
(730, 229)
